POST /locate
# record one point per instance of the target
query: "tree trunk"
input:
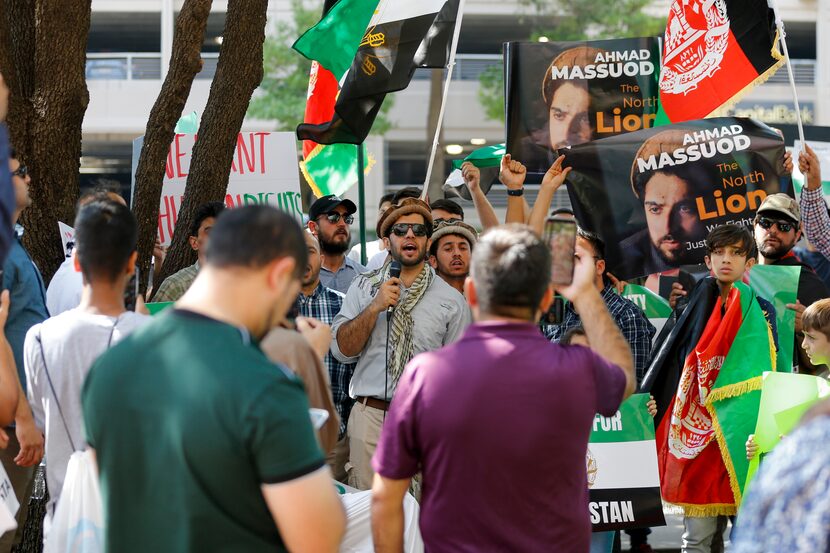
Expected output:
(437, 177)
(17, 63)
(51, 145)
(185, 63)
(238, 73)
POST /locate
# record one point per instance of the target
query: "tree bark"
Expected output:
(437, 178)
(185, 63)
(17, 63)
(238, 73)
(48, 62)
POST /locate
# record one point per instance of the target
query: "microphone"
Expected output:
(394, 272)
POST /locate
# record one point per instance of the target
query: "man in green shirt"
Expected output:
(202, 443)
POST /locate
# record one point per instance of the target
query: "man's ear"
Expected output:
(470, 293)
(750, 262)
(708, 261)
(547, 300)
(131, 263)
(387, 245)
(601, 267)
(433, 262)
(280, 271)
(312, 226)
(194, 242)
(76, 263)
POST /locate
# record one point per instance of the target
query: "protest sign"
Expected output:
(67, 238)
(157, 307)
(559, 94)
(822, 150)
(8, 503)
(264, 171)
(655, 307)
(779, 286)
(622, 469)
(784, 399)
(654, 195)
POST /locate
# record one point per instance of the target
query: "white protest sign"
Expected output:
(67, 238)
(8, 503)
(822, 150)
(264, 171)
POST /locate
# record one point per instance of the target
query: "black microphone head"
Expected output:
(395, 269)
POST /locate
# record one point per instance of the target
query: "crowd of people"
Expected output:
(440, 369)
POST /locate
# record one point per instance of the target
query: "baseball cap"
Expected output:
(326, 204)
(782, 204)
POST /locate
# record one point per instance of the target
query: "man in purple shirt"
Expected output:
(498, 422)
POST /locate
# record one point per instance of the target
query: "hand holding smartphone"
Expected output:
(560, 236)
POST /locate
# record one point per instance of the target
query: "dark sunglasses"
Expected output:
(21, 172)
(453, 220)
(767, 224)
(400, 229)
(335, 217)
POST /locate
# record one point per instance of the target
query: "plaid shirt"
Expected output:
(324, 304)
(632, 322)
(816, 220)
(177, 284)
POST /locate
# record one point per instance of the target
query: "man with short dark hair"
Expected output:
(629, 318)
(777, 231)
(59, 352)
(27, 308)
(329, 219)
(221, 437)
(178, 283)
(450, 249)
(538, 401)
(427, 313)
(446, 209)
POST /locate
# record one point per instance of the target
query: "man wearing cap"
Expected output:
(777, 230)
(329, 218)
(450, 250)
(427, 314)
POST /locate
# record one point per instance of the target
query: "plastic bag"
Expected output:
(78, 524)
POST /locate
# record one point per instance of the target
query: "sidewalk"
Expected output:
(667, 538)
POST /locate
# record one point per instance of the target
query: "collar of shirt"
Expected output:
(18, 230)
(348, 263)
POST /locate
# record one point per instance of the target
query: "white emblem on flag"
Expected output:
(697, 35)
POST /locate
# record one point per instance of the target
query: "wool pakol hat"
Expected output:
(404, 207)
(443, 227)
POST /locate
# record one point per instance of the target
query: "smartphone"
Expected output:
(560, 236)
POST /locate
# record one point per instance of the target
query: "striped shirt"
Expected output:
(816, 220)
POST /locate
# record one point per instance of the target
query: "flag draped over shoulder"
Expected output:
(714, 52)
(401, 36)
(708, 402)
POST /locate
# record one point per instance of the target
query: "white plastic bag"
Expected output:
(78, 524)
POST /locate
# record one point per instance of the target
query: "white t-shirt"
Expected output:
(64, 292)
(377, 260)
(72, 341)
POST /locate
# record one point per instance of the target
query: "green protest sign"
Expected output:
(785, 398)
(778, 285)
(622, 469)
(654, 305)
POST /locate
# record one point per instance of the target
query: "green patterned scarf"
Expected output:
(403, 326)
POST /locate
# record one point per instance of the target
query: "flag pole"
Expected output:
(450, 66)
(361, 204)
(782, 34)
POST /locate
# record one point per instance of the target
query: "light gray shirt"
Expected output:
(342, 279)
(440, 318)
(72, 341)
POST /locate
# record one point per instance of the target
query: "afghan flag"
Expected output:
(401, 36)
(713, 407)
(714, 52)
(330, 169)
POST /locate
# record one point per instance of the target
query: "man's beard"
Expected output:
(422, 255)
(774, 253)
(333, 247)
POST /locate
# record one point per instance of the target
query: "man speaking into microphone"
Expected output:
(386, 320)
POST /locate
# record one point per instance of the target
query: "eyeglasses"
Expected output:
(21, 172)
(767, 224)
(400, 229)
(335, 217)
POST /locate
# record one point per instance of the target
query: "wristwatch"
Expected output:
(519, 192)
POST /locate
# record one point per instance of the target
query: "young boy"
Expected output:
(696, 434)
(816, 327)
